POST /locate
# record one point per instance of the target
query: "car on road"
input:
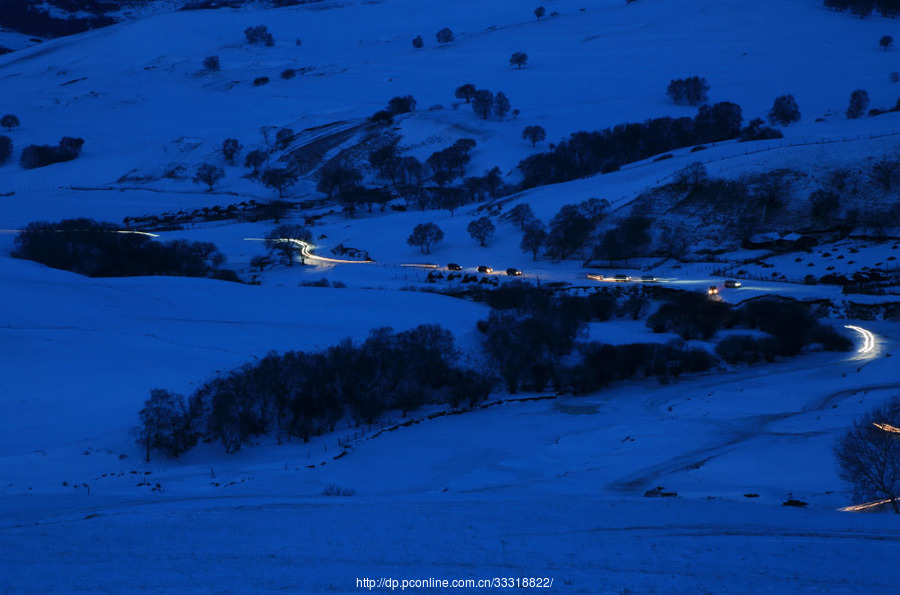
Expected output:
(732, 284)
(453, 267)
(485, 269)
(649, 279)
(513, 272)
(621, 277)
(713, 290)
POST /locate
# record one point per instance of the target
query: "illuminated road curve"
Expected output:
(887, 428)
(868, 345)
(306, 252)
(860, 507)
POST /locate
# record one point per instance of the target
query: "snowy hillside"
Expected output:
(525, 485)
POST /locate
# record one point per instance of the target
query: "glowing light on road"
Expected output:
(887, 428)
(868, 338)
(866, 506)
(424, 265)
(139, 233)
(306, 252)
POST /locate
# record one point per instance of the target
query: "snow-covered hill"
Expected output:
(546, 488)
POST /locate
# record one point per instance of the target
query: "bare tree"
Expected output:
(519, 215)
(534, 238)
(535, 134)
(230, 148)
(501, 105)
(772, 191)
(594, 209)
(255, 160)
(278, 178)
(444, 36)
(466, 92)
(868, 455)
(208, 174)
(9, 121)
(286, 241)
(859, 101)
(167, 424)
(337, 177)
(481, 229)
(425, 235)
(519, 59)
(482, 102)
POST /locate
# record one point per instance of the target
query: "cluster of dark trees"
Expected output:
(444, 37)
(864, 8)
(43, 155)
(531, 332)
(300, 395)
(627, 239)
(424, 236)
(789, 326)
(756, 129)
(26, 17)
(95, 249)
(689, 91)
(407, 177)
(603, 364)
(402, 104)
(484, 102)
(570, 229)
(586, 153)
(450, 163)
(259, 35)
(276, 178)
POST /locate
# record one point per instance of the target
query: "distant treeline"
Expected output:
(87, 247)
(863, 8)
(531, 337)
(532, 332)
(583, 154)
(300, 394)
(24, 17)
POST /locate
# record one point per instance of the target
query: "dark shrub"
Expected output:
(97, 249)
(690, 91)
(402, 105)
(739, 349)
(43, 155)
(6, 149)
(691, 316)
(259, 35)
(211, 63)
(302, 395)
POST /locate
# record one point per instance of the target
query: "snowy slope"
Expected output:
(541, 488)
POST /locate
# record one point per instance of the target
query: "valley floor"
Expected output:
(551, 488)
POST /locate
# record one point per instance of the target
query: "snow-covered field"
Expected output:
(543, 488)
